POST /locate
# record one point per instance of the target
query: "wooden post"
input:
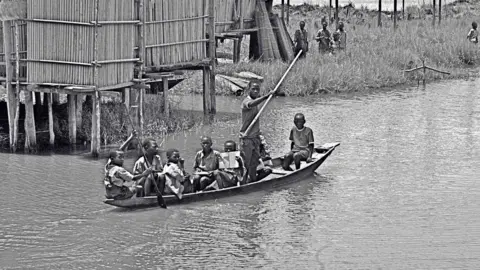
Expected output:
(17, 86)
(166, 109)
(433, 10)
(403, 9)
(439, 12)
(209, 96)
(206, 90)
(72, 119)
(48, 99)
(379, 13)
(78, 106)
(30, 132)
(141, 56)
(95, 146)
(394, 14)
(236, 50)
(329, 11)
(38, 104)
(283, 11)
(288, 12)
(11, 95)
(336, 14)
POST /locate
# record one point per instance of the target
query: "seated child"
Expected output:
(206, 165)
(156, 179)
(229, 177)
(473, 33)
(119, 183)
(177, 181)
(302, 143)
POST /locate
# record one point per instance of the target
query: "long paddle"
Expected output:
(271, 94)
(160, 200)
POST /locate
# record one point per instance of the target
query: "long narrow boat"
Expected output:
(278, 178)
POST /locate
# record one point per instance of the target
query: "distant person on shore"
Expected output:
(473, 33)
(301, 40)
(324, 39)
(302, 144)
(342, 36)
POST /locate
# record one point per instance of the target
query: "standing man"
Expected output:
(250, 142)
(323, 38)
(342, 36)
(301, 40)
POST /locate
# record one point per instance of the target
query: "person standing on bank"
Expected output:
(250, 143)
(301, 40)
(342, 36)
(324, 38)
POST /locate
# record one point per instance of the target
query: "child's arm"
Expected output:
(147, 172)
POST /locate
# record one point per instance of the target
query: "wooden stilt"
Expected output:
(49, 100)
(288, 12)
(141, 55)
(166, 108)
(45, 104)
(30, 132)
(236, 50)
(336, 14)
(206, 90)
(439, 12)
(395, 14)
(17, 86)
(379, 13)
(433, 10)
(56, 98)
(283, 10)
(78, 108)
(11, 95)
(212, 49)
(72, 119)
(95, 147)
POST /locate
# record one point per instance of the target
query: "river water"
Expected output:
(400, 192)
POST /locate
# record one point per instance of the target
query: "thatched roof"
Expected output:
(13, 9)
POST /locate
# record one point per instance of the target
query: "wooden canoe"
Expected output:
(278, 178)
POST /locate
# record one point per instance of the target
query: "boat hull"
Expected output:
(277, 179)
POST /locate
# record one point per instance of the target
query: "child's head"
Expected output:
(173, 155)
(117, 157)
(206, 143)
(474, 25)
(150, 146)
(230, 146)
(302, 25)
(254, 90)
(299, 120)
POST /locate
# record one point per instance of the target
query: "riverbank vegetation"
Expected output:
(375, 56)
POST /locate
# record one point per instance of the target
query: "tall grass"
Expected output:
(375, 57)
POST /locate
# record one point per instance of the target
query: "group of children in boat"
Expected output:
(212, 170)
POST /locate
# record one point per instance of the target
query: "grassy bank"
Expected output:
(375, 57)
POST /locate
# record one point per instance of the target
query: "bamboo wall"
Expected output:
(22, 31)
(175, 31)
(73, 43)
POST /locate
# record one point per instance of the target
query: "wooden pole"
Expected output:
(30, 132)
(439, 12)
(166, 109)
(434, 12)
(141, 55)
(379, 13)
(49, 100)
(403, 9)
(210, 72)
(283, 10)
(38, 103)
(72, 119)
(336, 14)
(95, 147)
(288, 12)
(394, 14)
(329, 11)
(11, 95)
(78, 106)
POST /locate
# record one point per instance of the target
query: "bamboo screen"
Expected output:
(175, 31)
(22, 45)
(61, 36)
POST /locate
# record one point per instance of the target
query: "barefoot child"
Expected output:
(302, 143)
(176, 179)
(119, 183)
